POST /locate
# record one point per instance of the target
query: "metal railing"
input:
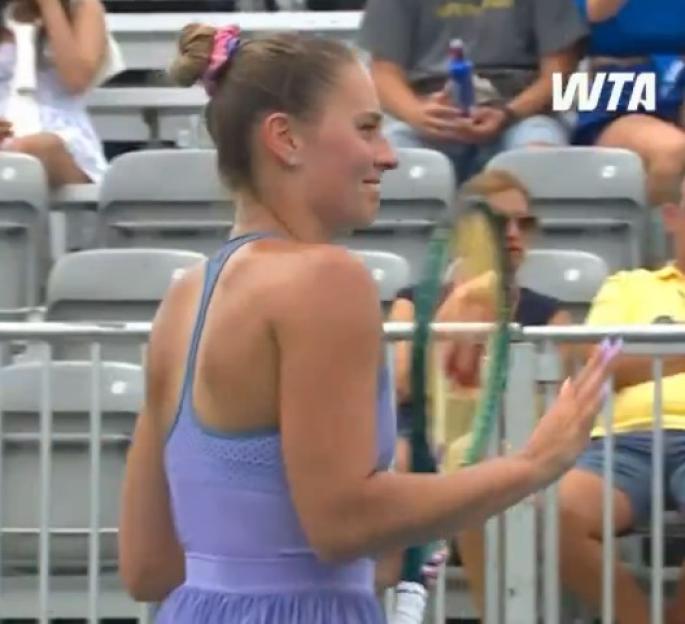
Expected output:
(512, 593)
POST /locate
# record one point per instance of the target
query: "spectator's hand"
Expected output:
(479, 289)
(5, 130)
(473, 302)
(438, 119)
(487, 123)
(564, 431)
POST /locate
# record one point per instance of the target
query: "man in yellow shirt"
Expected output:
(630, 297)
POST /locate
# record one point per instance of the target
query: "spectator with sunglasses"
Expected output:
(507, 195)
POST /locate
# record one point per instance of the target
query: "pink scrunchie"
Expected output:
(226, 42)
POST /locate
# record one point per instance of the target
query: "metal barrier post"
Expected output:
(549, 374)
(658, 460)
(608, 538)
(440, 597)
(494, 606)
(45, 486)
(94, 515)
(520, 562)
(2, 449)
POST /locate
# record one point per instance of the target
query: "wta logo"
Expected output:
(583, 92)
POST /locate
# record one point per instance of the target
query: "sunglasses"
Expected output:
(527, 223)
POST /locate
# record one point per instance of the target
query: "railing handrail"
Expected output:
(34, 330)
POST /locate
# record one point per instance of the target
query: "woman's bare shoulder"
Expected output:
(176, 312)
(327, 274)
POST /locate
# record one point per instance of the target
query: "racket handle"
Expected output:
(414, 559)
(410, 604)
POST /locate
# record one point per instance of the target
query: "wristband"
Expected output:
(410, 607)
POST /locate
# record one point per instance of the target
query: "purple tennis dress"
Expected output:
(247, 558)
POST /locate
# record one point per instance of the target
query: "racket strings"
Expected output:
(470, 247)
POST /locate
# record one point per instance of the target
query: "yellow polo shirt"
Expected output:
(641, 297)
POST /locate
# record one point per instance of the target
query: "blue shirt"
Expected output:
(641, 27)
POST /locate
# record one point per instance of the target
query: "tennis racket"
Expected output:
(470, 241)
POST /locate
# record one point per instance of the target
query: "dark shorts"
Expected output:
(633, 469)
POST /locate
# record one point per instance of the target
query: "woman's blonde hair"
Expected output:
(494, 181)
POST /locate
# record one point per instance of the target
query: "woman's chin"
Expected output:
(370, 207)
(359, 216)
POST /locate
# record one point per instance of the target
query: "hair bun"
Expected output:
(194, 54)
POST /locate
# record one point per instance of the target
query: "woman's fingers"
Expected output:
(596, 372)
(593, 362)
(599, 362)
(590, 388)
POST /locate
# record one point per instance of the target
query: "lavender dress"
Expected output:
(247, 558)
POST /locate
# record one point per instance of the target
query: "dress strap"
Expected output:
(212, 271)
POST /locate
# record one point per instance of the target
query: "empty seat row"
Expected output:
(174, 199)
(54, 498)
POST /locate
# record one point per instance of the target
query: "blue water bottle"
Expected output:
(461, 78)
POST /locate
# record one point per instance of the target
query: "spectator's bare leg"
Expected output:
(580, 548)
(661, 146)
(52, 152)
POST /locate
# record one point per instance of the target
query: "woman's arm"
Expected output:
(402, 312)
(537, 97)
(329, 338)
(394, 90)
(78, 44)
(151, 560)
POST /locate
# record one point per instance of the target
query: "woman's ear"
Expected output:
(281, 139)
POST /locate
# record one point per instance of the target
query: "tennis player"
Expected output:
(256, 488)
